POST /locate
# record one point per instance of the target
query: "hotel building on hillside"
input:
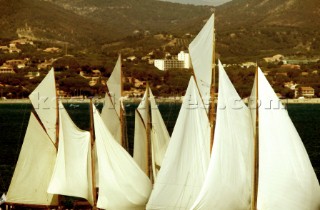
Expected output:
(183, 62)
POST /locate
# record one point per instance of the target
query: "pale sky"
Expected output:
(200, 2)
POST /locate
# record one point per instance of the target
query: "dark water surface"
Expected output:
(14, 119)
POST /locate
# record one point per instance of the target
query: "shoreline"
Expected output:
(159, 100)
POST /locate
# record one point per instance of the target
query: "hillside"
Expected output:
(246, 29)
(90, 23)
(255, 28)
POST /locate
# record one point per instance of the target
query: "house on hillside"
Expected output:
(19, 63)
(13, 48)
(274, 59)
(46, 64)
(307, 92)
(32, 74)
(52, 50)
(6, 69)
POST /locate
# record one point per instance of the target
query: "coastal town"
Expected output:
(24, 63)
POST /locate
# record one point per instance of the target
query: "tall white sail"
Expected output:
(159, 136)
(286, 177)
(112, 104)
(34, 168)
(186, 161)
(228, 182)
(44, 101)
(140, 136)
(201, 49)
(72, 174)
(122, 184)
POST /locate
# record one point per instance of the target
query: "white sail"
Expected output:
(201, 49)
(228, 182)
(111, 119)
(122, 184)
(112, 104)
(44, 101)
(186, 161)
(140, 142)
(159, 136)
(72, 174)
(286, 177)
(34, 168)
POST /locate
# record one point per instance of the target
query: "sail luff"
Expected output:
(93, 167)
(255, 176)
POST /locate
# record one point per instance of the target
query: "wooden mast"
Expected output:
(212, 107)
(123, 141)
(148, 134)
(255, 178)
(57, 131)
(92, 137)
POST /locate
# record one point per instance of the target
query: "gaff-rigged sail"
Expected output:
(122, 184)
(186, 161)
(201, 50)
(44, 101)
(286, 177)
(72, 173)
(111, 111)
(34, 168)
(228, 181)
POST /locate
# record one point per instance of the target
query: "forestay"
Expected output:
(34, 168)
(186, 161)
(72, 173)
(201, 49)
(112, 103)
(228, 181)
(44, 101)
(286, 177)
(123, 185)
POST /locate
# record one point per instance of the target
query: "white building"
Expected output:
(159, 63)
(185, 57)
(183, 61)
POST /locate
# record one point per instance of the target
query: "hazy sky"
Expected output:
(200, 2)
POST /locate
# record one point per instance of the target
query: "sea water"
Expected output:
(14, 120)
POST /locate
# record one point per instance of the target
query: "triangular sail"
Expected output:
(227, 183)
(72, 173)
(201, 50)
(44, 101)
(186, 161)
(140, 136)
(34, 168)
(159, 136)
(286, 177)
(122, 184)
(111, 110)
